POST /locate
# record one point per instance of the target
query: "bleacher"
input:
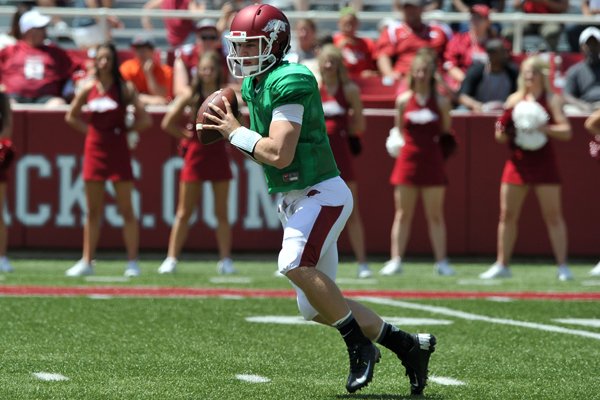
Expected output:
(324, 12)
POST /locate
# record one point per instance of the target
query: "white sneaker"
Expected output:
(596, 270)
(5, 265)
(225, 267)
(168, 266)
(564, 273)
(496, 271)
(443, 268)
(364, 271)
(392, 267)
(132, 269)
(82, 268)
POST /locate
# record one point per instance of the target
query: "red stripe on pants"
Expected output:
(323, 224)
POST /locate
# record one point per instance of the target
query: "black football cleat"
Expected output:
(363, 358)
(416, 362)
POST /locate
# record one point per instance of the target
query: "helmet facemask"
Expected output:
(242, 67)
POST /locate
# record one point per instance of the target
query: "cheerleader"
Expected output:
(533, 119)
(6, 156)
(106, 155)
(592, 124)
(210, 163)
(423, 118)
(345, 124)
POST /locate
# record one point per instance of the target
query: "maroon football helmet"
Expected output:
(266, 24)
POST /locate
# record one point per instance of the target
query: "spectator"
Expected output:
(533, 117)
(6, 155)
(178, 29)
(304, 41)
(488, 85)
(423, 117)
(582, 85)
(345, 125)
(466, 6)
(466, 47)
(208, 38)
(592, 124)
(106, 155)
(32, 71)
(358, 52)
(398, 43)
(549, 31)
(588, 8)
(153, 80)
(201, 163)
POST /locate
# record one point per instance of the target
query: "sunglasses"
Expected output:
(209, 37)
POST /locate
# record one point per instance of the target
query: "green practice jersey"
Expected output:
(292, 84)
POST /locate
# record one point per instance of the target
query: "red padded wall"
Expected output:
(49, 215)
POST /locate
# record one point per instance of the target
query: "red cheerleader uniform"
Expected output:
(106, 154)
(420, 161)
(336, 109)
(204, 162)
(532, 166)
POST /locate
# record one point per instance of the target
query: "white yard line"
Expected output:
(49, 376)
(445, 381)
(589, 322)
(475, 317)
(252, 378)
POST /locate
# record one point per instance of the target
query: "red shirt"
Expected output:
(534, 7)
(401, 43)
(462, 50)
(34, 71)
(178, 29)
(358, 53)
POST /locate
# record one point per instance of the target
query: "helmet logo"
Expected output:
(274, 26)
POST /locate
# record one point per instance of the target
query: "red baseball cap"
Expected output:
(481, 9)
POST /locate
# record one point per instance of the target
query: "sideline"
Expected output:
(167, 292)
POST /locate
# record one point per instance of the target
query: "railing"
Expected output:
(518, 19)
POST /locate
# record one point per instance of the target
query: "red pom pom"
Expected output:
(7, 153)
(505, 122)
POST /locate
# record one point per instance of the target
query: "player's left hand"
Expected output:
(224, 122)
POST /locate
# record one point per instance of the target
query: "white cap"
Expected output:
(33, 19)
(589, 32)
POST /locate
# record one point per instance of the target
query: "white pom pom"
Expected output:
(528, 117)
(394, 142)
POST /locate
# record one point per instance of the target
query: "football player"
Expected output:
(287, 136)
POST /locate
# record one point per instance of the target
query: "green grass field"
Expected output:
(211, 347)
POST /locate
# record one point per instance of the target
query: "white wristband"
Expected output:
(244, 139)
